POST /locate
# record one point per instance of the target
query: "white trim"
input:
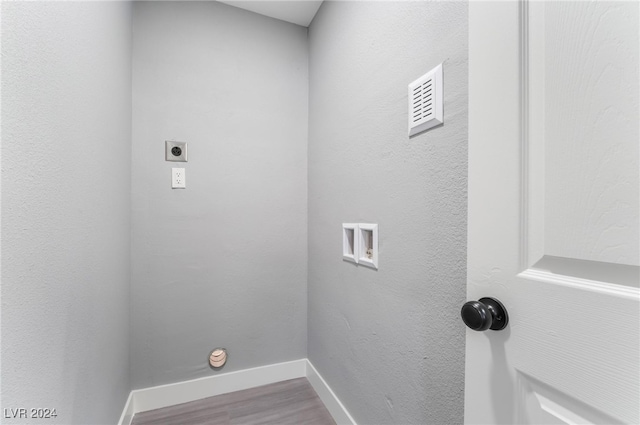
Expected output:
(196, 389)
(328, 397)
(524, 134)
(605, 288)
(127, 412)
(152, 398)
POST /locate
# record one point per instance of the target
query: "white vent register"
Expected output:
(425, 101)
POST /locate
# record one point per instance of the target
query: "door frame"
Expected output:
(496, 62)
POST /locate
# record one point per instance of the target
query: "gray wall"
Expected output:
(223, 262)
(389, 342)
(66, 138)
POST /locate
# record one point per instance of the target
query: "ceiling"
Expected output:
(300, 12)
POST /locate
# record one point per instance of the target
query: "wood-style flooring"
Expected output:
(292, 402)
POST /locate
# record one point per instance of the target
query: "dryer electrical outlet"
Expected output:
(175, 151)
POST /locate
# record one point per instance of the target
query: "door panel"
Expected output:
(580, 340)
(553, 212)
(590, 59)
(543, 404)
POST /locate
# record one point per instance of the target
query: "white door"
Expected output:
(553, 212)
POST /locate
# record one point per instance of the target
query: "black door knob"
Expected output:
(486, 313)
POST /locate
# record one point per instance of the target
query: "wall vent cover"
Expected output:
(425, 101)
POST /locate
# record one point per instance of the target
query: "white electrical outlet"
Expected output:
(178, 178)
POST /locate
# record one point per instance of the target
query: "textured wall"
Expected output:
(389, 342)
(223, 262)
(66, 131)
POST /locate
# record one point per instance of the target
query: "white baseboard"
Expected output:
(196, 389)
(328, 397)
(127, 412)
